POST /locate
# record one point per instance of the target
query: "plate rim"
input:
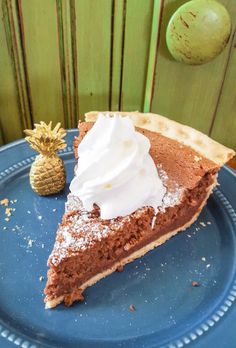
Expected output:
(10, 334)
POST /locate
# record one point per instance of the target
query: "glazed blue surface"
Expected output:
(170, 312)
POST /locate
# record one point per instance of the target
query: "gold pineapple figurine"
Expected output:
(47, 173)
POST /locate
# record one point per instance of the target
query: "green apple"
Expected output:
(198, 31)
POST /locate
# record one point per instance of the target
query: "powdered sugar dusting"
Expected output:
(173, 195)
(80, 233)
(81, 229)
(171, 198)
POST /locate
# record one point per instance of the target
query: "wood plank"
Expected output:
(93, 35)
(10, 111)
(40, 40)
(1, 137)
(224, 127)
(13, 27)
(138, 24)
(69, 83)
(116, 53)
(154, 41)
(187, 93)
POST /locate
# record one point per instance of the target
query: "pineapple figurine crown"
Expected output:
(47, 173)
(44, 139)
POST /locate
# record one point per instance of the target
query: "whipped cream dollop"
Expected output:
(115, 170)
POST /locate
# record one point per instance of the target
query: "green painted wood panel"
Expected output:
(185, 93)
(41, 43)
(66, 25)
(13, 28)
(1, 138)
(61, 58)
(138, 24)
(10, 115)
(93, 36)
(117, 40)
(153, 47)
(224, 127)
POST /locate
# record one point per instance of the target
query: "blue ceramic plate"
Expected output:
(170, 312)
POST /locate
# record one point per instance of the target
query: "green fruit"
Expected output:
(198, 31)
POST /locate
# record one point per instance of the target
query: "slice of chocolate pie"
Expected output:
(134, 188)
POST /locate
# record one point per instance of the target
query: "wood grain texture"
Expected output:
(93, 34)
(138, 24)
(68, 79)
(187, 93)
(13, 115)
(117, 41)
(41, 44)
(224, 127)
(1, 138)
(154, 41)
(62, 58)
(13, 28)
